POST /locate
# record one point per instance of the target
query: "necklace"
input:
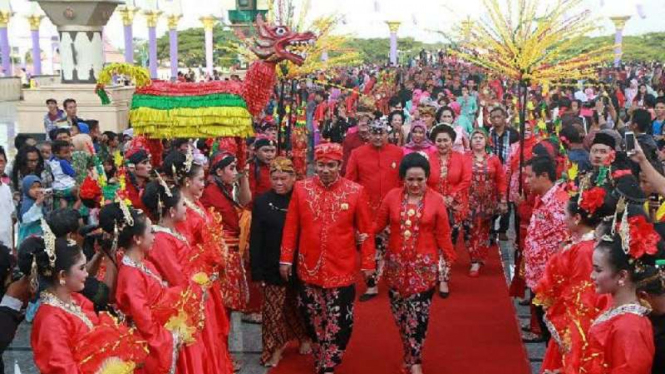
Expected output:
(48, 298)
(623, 309)
(191, 205)
(173, 233)
(141, 266)
(410, 222)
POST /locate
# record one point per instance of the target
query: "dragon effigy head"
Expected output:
(277, 43)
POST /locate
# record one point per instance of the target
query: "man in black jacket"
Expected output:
(281, 320)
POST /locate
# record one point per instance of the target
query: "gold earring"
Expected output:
(138, 242)
(62, 282)
(621, 284)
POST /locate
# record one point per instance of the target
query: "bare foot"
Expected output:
(475, 266)
(443, 287)
(305, 347)
(275, 359)
(417, 369)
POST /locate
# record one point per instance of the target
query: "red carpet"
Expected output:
(474, 331)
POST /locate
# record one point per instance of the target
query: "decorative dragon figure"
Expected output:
(219, 108)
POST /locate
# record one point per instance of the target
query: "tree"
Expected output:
(191, 47)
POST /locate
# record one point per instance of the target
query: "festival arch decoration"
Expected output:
(213, 109)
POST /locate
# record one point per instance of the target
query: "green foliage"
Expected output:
(376, 50)
(191, 47)
(646, 47)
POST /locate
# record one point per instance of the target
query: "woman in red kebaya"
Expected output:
(487, 198)
(566, 290)
(220, 194)
(166, 316)
(172, 256)
(451, 177)
(620, 341)
(419, 229)
(68, 337)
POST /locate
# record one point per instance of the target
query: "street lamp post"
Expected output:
(619, 24)
(393, 26)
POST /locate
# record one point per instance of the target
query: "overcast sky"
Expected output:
(363, 18)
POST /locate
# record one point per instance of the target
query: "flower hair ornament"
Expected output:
(592, 199)
(638, 236)
(49, 246)
(162, 183)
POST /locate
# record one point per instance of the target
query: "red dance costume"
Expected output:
(376, 169)
(234, 287)
(319, 223)
(571, 304)
(143, 296)
(620, 342)
(413, 254)
(171, 255)
(72, 339)
(488, 189)
(203, 230)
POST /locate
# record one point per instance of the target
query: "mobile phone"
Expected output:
(47, 191)
(630, 142)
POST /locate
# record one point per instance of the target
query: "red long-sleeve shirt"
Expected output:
(322, 223)
(376, 169)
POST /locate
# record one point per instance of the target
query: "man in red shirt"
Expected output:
(328, 219)
(355, 138)
(265, 150)
(375, 166)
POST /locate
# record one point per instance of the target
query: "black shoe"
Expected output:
(367, 297)
(444, 295)
(530, 337)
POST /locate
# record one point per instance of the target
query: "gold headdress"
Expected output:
(281, 164)
(126, 213)
(49, 246)
(189, 158)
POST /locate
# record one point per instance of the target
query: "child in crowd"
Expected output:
(31, 208)
(64, 176)
(45, 148)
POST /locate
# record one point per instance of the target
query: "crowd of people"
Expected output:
(133, 252)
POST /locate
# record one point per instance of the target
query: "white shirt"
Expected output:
(7, 209)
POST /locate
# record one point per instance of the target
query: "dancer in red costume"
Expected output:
(566, 290)
(166, 316)
(68, 337)
(220, 194)
(418, 223)
(202, 228)
(173, 257)
(487, 197)
(451, 177)
(621, 339)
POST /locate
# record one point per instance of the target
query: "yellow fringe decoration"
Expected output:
(115, 365)
(178, 324)
(139, 75)
(192, 123)
(245, 224)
